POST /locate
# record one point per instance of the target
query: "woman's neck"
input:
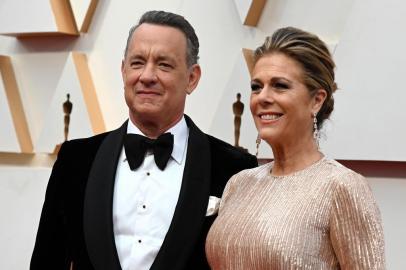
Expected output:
(290, 159)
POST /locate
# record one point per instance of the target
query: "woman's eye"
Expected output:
(255, 87)
(281, 86)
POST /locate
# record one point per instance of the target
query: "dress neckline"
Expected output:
(296, 173)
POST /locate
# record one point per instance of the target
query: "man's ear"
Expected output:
(122, 70)
(194, 77)
(318, 100)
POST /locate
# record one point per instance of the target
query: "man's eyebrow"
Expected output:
(135, 56)
(165, 58)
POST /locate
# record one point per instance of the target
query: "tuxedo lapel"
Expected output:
(190, 212)
(98, 203)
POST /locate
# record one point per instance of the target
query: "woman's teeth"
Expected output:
(270, 116)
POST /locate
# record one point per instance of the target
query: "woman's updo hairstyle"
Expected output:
(314, 57)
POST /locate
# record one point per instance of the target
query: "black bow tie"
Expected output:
(136, 146)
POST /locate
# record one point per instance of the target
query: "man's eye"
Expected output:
(136, 63)
(255, 87)
(165, 65)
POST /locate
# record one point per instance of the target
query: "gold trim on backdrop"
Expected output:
(254, 12)
(89, 16)
(36, 34)
(27, 160)
(64, 22)
(64, 17)
(89, 93)
(249, 59)
(15, 105)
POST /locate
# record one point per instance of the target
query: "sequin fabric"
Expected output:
(323, 217)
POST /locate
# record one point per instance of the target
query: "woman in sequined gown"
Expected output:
(303, 210)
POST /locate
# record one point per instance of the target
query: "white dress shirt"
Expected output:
(144, 201)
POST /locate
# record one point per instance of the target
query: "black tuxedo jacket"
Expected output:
(76, 225)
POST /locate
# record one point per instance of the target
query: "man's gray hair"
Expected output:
(172, 20)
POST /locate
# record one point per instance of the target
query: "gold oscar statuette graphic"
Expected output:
(67, 110)
(238, 109)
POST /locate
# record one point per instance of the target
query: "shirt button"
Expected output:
(139, 241)
(148, 174)
(144, 206)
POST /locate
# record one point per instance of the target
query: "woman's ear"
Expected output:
(318, 100)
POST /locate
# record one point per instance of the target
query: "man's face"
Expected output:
(156, 76)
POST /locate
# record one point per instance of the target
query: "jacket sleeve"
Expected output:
(253, 162)
(50, 250)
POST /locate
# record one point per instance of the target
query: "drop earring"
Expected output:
(316, 133)
(258, 142)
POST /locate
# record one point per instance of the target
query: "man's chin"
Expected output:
(146, 114)
(149, 108)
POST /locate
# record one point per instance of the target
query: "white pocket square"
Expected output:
(213, 206)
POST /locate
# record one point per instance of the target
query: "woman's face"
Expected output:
(280, 102)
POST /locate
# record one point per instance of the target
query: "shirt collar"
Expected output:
(180, 133)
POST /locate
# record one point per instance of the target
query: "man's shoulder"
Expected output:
(220, 144)
(222, 151)
(83, 148)
(86, 143)
(221, 147)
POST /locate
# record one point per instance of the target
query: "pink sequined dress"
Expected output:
(322, 217)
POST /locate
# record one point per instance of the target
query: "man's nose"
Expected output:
(148, 74)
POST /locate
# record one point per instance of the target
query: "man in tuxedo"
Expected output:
(138, 197)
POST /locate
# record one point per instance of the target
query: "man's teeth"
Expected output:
(270, 116)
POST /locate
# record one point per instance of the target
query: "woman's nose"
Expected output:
(266, 95)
